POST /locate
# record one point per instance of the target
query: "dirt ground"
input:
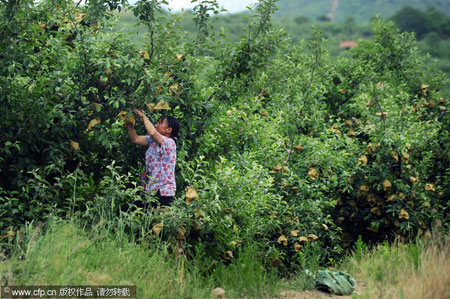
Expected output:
(291, 294)
(308, 295)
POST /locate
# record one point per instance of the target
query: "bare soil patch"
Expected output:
(309, 294)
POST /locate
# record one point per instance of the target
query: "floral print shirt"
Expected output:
(160, 166)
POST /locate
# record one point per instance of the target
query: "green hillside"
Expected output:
(361, 11)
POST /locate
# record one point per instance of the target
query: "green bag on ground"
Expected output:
(339, 283)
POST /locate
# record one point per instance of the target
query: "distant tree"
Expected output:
(323, 18)
(349, 24)
(302, 20)
(412, 20)
(437, 21)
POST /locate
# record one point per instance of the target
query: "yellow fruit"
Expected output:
(161, 105)
(371, 199)
(313, 173)
(123, 115)
(430, 187)
(144, 54)
(236, 243)
(405, 157)
(391, 198)
(376, 211)
(199, 214)
(191, 194)
(298, 148)
(325, 227)
(364, 188)
(174, 88)
(382, 114)
(179, 56)
(75, 145)
(424, 89)
(79, 17)
(313, 237)
(362, 160)
(351, 133)
(150, 106)
(282, 240)
(298, 246)
(380, 84)
(157, 228)
(394, 155)
(403, 214)
(413, 179)
(303, 239)
(294, 233)
(386, 185)
(369, 149)
(94, 122)
(277, 167)
(181, 233)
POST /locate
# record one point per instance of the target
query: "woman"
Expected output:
(161, 156)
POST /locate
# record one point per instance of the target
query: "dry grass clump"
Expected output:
(432, 280)
(420, 270)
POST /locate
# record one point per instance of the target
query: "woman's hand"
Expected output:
(139, 113)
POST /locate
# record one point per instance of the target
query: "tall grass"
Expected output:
(419, 270)
(66, 254)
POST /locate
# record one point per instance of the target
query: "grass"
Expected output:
(65, 253)
(418, 270)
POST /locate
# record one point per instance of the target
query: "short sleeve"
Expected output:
(149, 140)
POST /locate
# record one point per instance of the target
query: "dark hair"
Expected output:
(173, 123)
